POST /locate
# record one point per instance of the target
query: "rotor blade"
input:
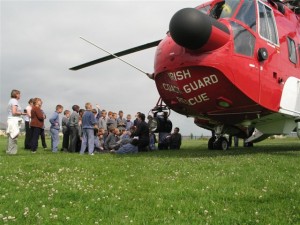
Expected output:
(122, 53)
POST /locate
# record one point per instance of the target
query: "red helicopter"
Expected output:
(233, 65)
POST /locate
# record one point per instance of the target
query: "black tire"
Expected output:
(224, 144)
(248, 144)
(211, 143)
(221, 144)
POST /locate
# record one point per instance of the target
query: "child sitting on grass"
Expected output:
(131, 147)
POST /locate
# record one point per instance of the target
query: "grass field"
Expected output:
(259, 185)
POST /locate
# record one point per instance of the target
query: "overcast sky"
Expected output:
(40, 42)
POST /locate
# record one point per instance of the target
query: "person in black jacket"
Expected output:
(142, 132)
(175, 139)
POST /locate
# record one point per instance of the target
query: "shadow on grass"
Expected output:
(286, 149)
(193, 149)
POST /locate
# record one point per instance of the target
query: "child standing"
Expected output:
(65, 130)
(88, 124)
(54, 128)
(129, 123)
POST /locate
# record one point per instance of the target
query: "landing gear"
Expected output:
(159, 120)
(220, 143)
(211, 143)
(217, 141)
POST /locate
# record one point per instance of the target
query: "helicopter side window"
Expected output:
(244, 41)
(267, 26)
(292, 50)
(247, 14)
(224, 9)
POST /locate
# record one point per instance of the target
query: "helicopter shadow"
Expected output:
(292, 150)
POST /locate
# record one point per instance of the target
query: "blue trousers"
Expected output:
(88, 140)
(54, 139)
(127, 148)
(35, 133)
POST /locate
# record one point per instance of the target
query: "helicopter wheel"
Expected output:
(211, 142)
(221, 144)
(248, 144)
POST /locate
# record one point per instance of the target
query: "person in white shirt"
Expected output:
(27, 126)
(14, 121)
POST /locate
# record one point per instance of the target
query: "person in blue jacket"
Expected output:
(89, 122)
(54, 128)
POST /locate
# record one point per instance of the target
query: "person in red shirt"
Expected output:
(36, 123)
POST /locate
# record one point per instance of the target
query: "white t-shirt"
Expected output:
(28, 109)
(11, 103)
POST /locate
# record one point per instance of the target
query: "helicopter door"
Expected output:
(268, 57)
(246, 71)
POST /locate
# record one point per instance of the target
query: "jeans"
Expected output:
(88, 140)
(128, 148)
(54, 139)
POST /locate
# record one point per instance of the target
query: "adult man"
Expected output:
(142, 132)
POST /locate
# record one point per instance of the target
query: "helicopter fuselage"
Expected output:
(242, 83)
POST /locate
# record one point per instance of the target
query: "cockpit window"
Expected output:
(244, 41)
(247, 14)
(224, 9)
(267, 25)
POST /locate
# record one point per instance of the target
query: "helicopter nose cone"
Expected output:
(194, 30)
(190, 28)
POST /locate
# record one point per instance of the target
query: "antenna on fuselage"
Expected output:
(148, 74)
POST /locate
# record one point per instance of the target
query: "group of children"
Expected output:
(84, 130)
(94, 130)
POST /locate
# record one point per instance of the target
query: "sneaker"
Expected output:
(91, 154)
(33, 151)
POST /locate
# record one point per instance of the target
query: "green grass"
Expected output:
(259, 185)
